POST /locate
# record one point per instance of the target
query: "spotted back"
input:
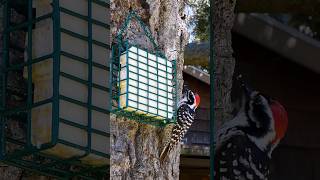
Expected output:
(240, 159)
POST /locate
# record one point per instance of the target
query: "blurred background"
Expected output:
(277, 54)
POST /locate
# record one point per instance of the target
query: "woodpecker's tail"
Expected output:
(165, 152)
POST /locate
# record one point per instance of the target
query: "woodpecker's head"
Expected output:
(189, 98)
(267, 120)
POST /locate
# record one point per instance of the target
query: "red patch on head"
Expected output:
(197, 100)
(280, 117)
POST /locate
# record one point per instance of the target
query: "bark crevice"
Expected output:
(223, 20)
(170, 33)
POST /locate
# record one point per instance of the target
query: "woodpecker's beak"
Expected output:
(185, 89)
(247, 91)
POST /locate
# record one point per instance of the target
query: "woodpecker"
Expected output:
(243, 145)
(185, 116)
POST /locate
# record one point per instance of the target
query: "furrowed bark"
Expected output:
(223, 19)
(136, 147)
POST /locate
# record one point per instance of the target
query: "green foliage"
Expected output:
(200, 20)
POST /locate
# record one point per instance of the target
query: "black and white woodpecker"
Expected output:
(185, 117)
(243, 145)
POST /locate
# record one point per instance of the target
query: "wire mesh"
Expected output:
(143, 82)
(22, 150)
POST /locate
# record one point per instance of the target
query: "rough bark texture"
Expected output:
(223, 19)
(136, 147)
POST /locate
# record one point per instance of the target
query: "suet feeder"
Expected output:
(143, 81)
(66, 113)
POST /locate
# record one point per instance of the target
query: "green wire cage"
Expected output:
(64, 113)
(143, 81)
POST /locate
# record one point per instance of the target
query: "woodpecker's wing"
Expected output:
(239, 158)
(185, 117)
(226, 132)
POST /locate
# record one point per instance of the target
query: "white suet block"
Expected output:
(146, 84)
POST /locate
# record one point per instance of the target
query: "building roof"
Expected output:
(280, 38)
(270, 33)
(197, 73)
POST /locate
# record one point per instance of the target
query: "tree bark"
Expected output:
(136, 147)
(223, 19)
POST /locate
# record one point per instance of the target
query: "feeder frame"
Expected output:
(27, 156)
(122, 46)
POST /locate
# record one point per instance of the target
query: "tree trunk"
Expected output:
(223, 19)
(136, 147)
